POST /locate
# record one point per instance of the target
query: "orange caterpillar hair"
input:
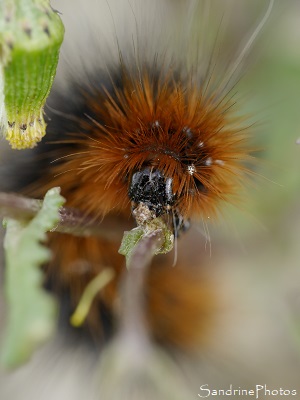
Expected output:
(165, 138)
(187, 134)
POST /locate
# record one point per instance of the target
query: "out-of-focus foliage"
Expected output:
(31, 311)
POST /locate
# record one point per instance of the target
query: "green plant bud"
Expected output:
(31, 33)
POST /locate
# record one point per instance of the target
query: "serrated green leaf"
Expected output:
(31, 310)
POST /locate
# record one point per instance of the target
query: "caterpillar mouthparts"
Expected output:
(152, 188)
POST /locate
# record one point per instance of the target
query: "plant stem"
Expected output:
(72, 221)
(133, 323)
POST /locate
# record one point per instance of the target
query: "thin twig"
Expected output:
(133, 323)
(71, 220)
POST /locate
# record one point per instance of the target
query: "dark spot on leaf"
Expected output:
(46, 30)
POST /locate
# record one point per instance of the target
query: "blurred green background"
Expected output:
(258, 249)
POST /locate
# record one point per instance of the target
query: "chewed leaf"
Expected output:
(131, 238)
(31, 310)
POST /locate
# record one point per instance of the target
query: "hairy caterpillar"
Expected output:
(145, 114)
(153, 130)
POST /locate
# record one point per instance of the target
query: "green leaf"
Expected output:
(131, 238)
(31, 310)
